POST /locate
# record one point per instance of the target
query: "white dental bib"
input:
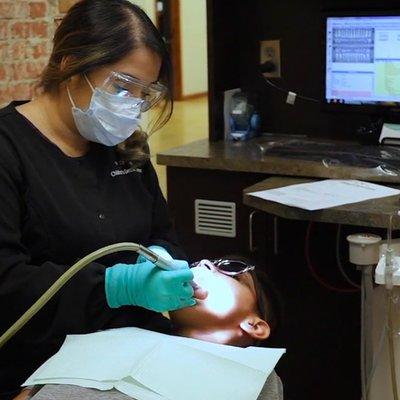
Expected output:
(151, 366)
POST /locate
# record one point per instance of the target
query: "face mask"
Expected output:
(109, 119)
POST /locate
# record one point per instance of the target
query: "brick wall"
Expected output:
(26, 32)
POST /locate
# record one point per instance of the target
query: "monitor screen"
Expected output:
(363, 60)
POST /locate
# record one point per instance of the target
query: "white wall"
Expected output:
(193, 26)
(193, 46)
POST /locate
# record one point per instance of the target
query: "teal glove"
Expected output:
(159, 251)
(146, 285)
(199, 293)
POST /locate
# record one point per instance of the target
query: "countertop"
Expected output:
(370, 213)
(336, 160)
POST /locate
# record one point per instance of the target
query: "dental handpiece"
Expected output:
(155, 258)
(161, 262)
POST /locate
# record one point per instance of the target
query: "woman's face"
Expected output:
(142, 63)
(217, 318)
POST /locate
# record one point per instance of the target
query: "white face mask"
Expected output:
(109, 119)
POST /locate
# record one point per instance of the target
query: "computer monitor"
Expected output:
(362, 62)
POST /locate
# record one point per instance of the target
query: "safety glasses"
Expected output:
(127, 86)
(226, 266)
(234, 268)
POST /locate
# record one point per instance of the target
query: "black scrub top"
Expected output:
(54, 210)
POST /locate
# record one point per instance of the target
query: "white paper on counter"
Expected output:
(325, 194)
(151, 366)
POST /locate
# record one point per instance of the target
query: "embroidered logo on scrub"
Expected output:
(124, 171)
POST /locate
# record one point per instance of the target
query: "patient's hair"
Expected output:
(269, 303)
(268, 300)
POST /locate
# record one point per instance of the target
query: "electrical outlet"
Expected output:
(270, 58)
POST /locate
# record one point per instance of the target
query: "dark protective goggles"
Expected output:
(124, 85)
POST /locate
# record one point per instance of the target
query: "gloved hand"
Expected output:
(199, 293)
(159, 251)
(148, 286)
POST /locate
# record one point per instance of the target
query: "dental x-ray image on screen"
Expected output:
(362, 60)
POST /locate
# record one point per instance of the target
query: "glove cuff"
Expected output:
(118, 285)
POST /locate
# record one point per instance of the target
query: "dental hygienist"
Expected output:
(75, 177)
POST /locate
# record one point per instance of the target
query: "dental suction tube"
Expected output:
(67, 275)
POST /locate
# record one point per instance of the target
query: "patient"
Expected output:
(238, 309)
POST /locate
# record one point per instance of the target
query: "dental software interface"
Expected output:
(363, 60)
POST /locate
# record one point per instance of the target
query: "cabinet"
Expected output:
(186, 185)
(320, 329)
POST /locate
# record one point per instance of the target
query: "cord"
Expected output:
(385, 331)
(339, 261)
(287, 91)
(378, 353)
(312, 270)
(389, 270)
(362, 342)
(391, 346)
(62, 280)
(366, 345)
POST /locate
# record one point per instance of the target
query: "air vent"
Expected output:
(215, 218)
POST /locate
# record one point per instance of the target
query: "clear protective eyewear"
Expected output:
(127, 86)
(225, 266)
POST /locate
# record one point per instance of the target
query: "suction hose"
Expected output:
(66, 276)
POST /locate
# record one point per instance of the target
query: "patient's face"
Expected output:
(217, 318)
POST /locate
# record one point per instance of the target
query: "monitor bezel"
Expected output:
(373, 109)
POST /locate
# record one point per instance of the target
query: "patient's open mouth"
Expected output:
(199, 292)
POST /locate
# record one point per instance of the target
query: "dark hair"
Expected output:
(269, 304)
(268, 300)
(95, 33)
